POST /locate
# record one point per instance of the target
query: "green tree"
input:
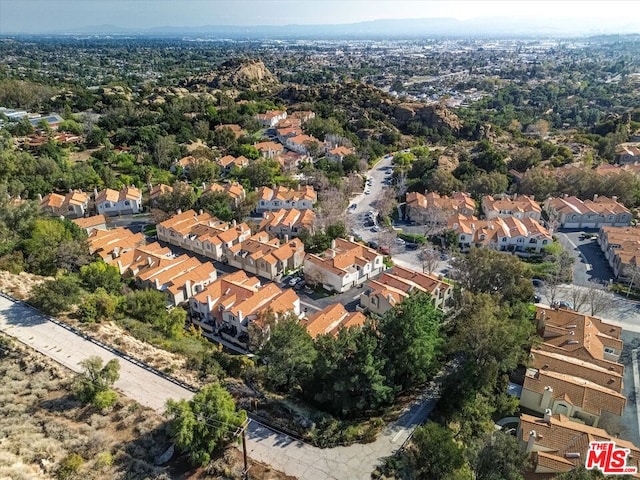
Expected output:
(100, 275)
(499, 458)
(93, 384)
(55, 296)
(43, 246)
(69, 467)
(248, 151)
(205, 423)
(183, 197)
(260, 173)
(218, 204)
(485, 270)
(203, 171)
(145, 305)
(172, 324)
(433, 453)
(98, 306)
(491, 337)
(347, 374)
(289, 355)
(410, 341)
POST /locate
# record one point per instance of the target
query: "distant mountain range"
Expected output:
(407, 28)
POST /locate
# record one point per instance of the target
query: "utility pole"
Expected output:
(245, 471)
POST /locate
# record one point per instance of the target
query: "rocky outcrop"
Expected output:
(235, 73)
(434, 116)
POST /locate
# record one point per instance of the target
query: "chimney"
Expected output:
(233, 223)
(187, 288)
(204, 186)
(286, 239)
(95, 192)
(547, 416)
(179, 211)
(614, 198)
(40, 197)
(564, 195)
(116, 252)
(531, 442)
(595, 197)
(149, 261)
(200, 212)
(546, 396)
(351, 239)
(333, 244)
(542, 320)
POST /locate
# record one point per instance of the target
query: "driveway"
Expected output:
(590, 264)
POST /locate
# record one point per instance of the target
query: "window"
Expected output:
(609, 350)
(107, 205)
(533, 240)
(544, 242)
(70, 208)
(126, 202)
(520, 240)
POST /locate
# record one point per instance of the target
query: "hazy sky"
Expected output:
(36, 16)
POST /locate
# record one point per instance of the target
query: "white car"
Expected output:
(293, 281)
(367, 191)
(400, 241)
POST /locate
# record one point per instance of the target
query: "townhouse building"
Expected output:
(394, 285)
(556, 444)
(110, 202)
(74, 204)
(281, 197)
(518, 206)
(331, 319)
(266, 257)
(508, 234)
(202, 233)
(234, 190)
(345, 265)
(230, 304)
(621, 248)
(271, 117)
(110, 244)
(571, 212)
(432, 208)
(287, 223)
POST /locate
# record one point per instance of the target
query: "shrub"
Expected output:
(69, 466)
(104, 460)
(104, 400)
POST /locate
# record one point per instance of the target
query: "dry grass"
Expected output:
(41, 424)
(19, 285)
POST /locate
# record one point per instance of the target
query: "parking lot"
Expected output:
(590, 264)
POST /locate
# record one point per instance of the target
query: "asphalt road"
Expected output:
(590, 264)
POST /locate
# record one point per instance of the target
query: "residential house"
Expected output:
(287, 223)
(287, 132)
(606, 169)
(234, 190)
(345, 265)
(157, 191)
(628, 153)
(337, 154)
(228, 162)
(433, 209)
(393, 286)
(202, 233)
(572, 212)
(331, 319)
(518, 206)
(557, 445)
(302, 116)
(271, 118)
(131, 262)
(277, 198)
(290, 161)
(266, 257)
(230, 304)
(110, 244)
(185, 163)
(90, 223)
(301, 143)
(269, 149)
(507, 234)
(235, 128)
(72, 205)
(621, 248)
(124, 202)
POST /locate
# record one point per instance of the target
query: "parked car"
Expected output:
(400, 241)
(562, 304)
(367, 191)
(353, 206)
(411, 246)
(537, 298)
(299, 285)
(375, 229)
(537, 282)
(293, 281)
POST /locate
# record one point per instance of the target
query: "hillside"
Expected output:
(235, 73)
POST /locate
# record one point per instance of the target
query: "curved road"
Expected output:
(283, 453)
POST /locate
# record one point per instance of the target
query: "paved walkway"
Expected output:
(355, 462)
